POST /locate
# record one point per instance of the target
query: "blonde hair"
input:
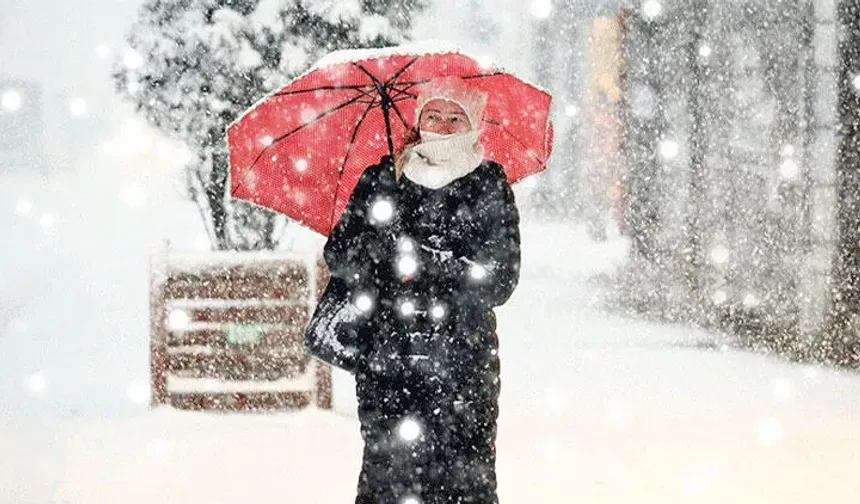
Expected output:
(410, 139)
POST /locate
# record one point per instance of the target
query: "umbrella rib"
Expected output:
(317, 118)
(356, 99)
(385, 101)
(346, 158)
(478, 76)
(400, 72)
(321, 88)
(352, 139)
(464, 77)
(409, 84)
(367, 72)
(399, 115)
(401, 93)
(403, 96)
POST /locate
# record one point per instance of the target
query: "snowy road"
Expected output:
(595, 408)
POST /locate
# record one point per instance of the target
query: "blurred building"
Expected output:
(600, 190)
(731, 151)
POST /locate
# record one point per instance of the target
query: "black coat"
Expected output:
(436, 364)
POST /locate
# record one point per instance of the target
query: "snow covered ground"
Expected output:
(594, 407)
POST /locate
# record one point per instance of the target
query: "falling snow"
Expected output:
(687, 322)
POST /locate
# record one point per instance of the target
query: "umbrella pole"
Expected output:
(386, 108)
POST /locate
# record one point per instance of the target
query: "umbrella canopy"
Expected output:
(302, 149)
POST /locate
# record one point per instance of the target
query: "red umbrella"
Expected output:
(301, 150)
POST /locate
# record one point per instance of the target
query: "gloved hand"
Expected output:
(441, 263)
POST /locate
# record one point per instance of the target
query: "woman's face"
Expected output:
(443, 117)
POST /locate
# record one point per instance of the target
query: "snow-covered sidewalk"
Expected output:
(595, 408)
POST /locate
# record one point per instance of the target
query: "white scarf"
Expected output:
(440, 159)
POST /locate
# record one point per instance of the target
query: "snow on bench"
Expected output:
(227, 330)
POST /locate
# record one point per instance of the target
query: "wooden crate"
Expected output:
(227, 331)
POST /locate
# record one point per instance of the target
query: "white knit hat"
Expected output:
(453, 89)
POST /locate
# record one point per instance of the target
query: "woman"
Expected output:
(430, 243)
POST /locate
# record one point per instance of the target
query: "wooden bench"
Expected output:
(227, 331)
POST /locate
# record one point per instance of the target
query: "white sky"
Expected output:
(55, 41)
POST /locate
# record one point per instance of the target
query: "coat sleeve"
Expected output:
(356, 247)
(487, 268)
